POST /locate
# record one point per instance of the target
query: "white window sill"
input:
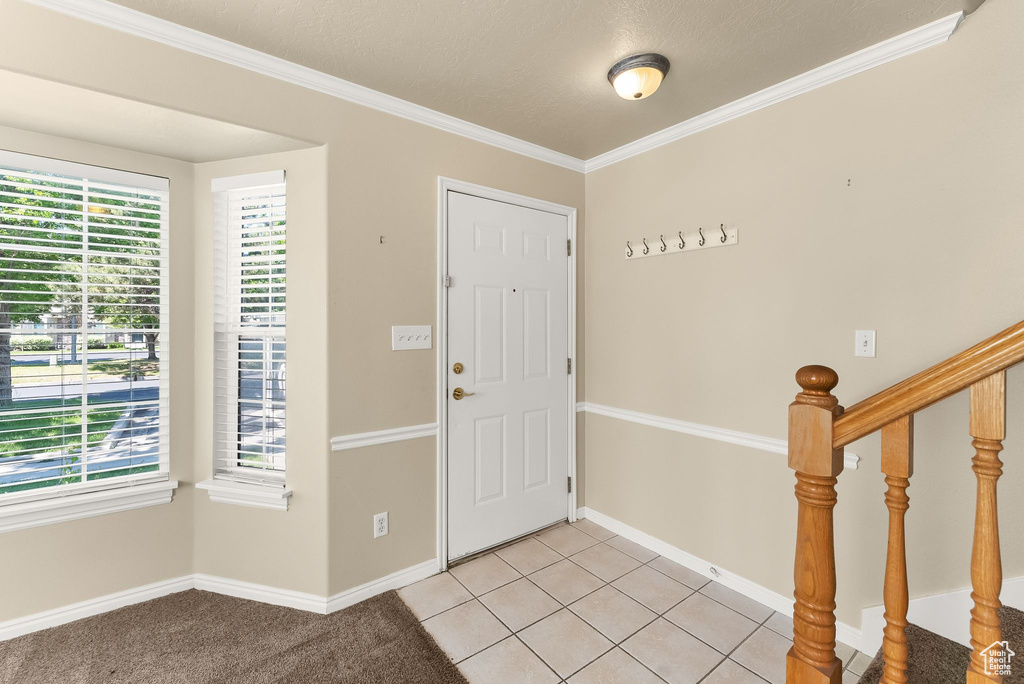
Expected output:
(55, 509)
(245, 494)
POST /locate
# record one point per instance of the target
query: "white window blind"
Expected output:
(83, 327)
(249, 329)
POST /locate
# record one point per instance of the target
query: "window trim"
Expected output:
(73, 506)
(48, 505)
(247, 493)
(271, 492)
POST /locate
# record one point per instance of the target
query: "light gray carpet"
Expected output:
(937, 660)
(195, 637)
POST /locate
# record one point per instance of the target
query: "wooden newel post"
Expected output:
(812, 659)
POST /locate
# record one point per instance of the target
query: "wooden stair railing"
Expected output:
(819, 428)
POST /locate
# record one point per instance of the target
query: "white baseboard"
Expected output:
(261, 593)
(783, 604)
(219, 585)
(395, 580)
(83, 609)
(947, 615)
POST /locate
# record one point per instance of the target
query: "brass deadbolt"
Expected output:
(457, 368)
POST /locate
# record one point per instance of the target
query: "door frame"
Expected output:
(444, 185)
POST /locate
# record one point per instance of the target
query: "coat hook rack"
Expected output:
(687, 242)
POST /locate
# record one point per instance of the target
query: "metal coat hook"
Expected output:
(687, 242)
(382, 239)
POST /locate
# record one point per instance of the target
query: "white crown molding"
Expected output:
(55, 509)
(904, 44)
(126, 20)
(143, 25)
(769, 444)
(783, 604)
(365, 439)
(219, 585)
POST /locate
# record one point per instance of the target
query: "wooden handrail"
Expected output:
(818, 431)
(927, 387)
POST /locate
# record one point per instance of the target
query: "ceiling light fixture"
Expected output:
(637, 77)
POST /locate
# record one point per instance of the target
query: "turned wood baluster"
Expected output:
(897, 466)
(812, 659)
(988, 418)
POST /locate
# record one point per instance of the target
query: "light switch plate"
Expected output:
(864, 343)
(411, 337)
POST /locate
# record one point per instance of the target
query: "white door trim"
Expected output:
(443, 186)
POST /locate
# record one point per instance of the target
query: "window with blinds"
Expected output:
(83, 327)
(249, 328)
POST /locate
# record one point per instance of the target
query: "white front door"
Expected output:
(508, 327)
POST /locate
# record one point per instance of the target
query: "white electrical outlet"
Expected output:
(864, 344)
(380, 524)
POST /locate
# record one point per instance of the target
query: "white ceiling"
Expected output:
(70, 112)
(536, 69)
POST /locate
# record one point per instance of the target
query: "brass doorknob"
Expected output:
(458, 393)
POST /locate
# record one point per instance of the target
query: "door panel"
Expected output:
(489, 334)
(508, 323)
(490, 459)
(537, 447)
(536, 335)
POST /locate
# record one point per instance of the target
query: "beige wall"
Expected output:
(931, 145)
(890, 201)
(386, 184)
(381, 175)
(55, 565)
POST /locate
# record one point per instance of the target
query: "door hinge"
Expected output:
(568, 366)
(447, 281)
(568, 247)
(570, 484)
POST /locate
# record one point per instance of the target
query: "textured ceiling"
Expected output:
(536, 69)
(57, 109)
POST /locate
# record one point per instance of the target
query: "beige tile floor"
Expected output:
(578, 604)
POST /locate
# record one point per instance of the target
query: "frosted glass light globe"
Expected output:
(638, 76)
(636, 84)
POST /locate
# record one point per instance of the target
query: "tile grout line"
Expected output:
(510, 632)
(662, 615)
(737, 647)
(618, 645)
(537, 655)
(604, 583)
(565, 606)
(659, 615)
(514, 633)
